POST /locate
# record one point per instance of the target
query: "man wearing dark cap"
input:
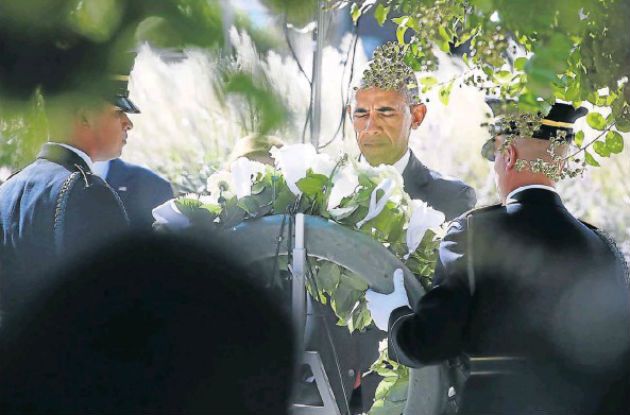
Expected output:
(536, 299)
(56, 207)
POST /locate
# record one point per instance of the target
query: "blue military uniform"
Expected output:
(529, 284)
(50, 210)
(140, 190)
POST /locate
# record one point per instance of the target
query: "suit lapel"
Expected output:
(116, 177)
(416, 173)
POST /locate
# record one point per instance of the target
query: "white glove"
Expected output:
(382, 305)
(168, 214)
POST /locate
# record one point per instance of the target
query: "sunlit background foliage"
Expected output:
(202, 85)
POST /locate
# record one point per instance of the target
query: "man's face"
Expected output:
(110, 132)
(382, 122)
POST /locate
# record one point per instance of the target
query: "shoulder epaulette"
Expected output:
(588, 225)
(482, 209)
(13, 174)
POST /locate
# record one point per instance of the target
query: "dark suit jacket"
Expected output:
(359, 351)
(52, 209)
(450, 196)
(528, 280)
(140, 190)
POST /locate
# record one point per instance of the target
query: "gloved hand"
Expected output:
(382, 305)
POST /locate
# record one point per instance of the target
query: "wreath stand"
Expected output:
(319, 238)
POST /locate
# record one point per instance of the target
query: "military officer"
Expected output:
(56, 207)
(537, 299)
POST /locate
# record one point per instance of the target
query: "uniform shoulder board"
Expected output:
(589, 225)
(482, 209)
(13, 174)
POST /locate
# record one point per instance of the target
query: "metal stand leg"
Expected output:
(298, 308)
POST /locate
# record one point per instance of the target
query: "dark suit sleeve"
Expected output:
(435, 331)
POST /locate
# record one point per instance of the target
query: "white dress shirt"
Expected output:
(101, 168)
(510, 197)
(400, 165)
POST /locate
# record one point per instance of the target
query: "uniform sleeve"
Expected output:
(435, 330)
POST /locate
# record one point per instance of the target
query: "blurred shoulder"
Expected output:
(137, 171)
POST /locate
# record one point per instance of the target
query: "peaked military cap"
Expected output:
(560, 118)
(120, 91)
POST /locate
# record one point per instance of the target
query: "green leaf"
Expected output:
(444, 34)
(328, 277)
(445, 93)
(590, 160)
(354, 281)
(355, 12)
(596, 121)
(249, 204)
(601, 149)
(380, 14)
(503, 76)
(313, 184)
(428, 81)
(579, 138)
(614, 142)
(400, 33)
(519, 63)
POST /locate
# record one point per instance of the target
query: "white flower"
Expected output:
(423, 217)
(345, 183)
(220, 183)
(294, 161)
(389, 181)
(377, 205)
(381, 173)
(244, 173)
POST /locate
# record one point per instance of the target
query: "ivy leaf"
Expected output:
(579, 138)
(596, 121)
(590, 160)
(380, 14)
(614, 142)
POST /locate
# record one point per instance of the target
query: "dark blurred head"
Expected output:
(157, 324)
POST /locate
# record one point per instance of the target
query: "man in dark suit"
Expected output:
(56, 207)
(537, 299)
(139, 188)
(386, 107)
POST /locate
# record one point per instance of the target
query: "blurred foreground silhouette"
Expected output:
(150, 324)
